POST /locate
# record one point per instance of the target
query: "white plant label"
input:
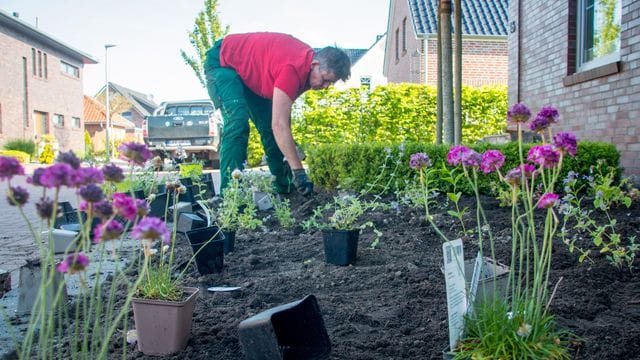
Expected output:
(456, 292)
(475, 279)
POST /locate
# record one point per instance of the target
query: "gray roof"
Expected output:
(139, 101)
(36, 34)
(479, 17)
(354, 54)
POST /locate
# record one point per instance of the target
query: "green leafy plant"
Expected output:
(282, 209)
(237, 210)
(599, 190)
(26, 146)
(344, 213)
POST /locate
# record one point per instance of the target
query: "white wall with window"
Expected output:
(598, 33)
(367, 71)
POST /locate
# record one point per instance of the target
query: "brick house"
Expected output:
(130, 104)
(41, 91)
(94, 116)
(559, 55)
(411, 47)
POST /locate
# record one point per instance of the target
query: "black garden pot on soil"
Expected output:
(340, 246)
(208, 248)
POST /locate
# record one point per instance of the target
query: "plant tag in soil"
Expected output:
(223, 288)
(456, 292)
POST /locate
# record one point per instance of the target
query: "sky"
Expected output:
(149, 34)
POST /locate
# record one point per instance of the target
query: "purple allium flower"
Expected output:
(548, 200)
(549, 112)
(544, 155)
(73, 263)
(10, 167)
(514, 175)
(151, 228)
(539, 123)
(471, 158)
(519, 113)
(124, 206)
(566, 142)
(69, 158)
(455, 155)
(45, 208)
(113, 173)
(87, 175)
(103, 209)
(17, 196)
(419, 161)
(57, 175)
(91, 193)
(492, 160)
(35, 178)
(142, 207)
(134, 152)
(110, 230)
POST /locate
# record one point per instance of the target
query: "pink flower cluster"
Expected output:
(73, 263)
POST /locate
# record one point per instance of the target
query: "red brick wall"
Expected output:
(58, 93)
(484, 62)
(605, 108)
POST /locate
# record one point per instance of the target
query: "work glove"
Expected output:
(301, 182)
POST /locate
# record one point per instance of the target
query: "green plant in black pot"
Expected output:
(340, 223)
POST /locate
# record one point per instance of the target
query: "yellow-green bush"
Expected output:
(47, 156)
(22, 156)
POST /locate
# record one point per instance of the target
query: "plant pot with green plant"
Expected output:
(339, 222)
(237, 209)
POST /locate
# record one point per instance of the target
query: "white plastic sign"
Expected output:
(456, 293)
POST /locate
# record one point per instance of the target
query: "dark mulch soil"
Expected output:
(392, 303)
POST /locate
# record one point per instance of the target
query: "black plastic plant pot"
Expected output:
(229, 241)
(290, 331)
(340, 246)
(208, 247)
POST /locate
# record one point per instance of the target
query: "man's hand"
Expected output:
(302, 182)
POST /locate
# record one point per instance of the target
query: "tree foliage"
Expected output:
(206, 31)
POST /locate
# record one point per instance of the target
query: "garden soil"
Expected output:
(391, 304)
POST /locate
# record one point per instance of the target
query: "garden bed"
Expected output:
(392, 303)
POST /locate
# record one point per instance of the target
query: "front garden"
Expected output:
(565, 199)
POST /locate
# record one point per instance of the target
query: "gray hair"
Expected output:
(334, 60)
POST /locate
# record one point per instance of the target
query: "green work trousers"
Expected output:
(238, 104)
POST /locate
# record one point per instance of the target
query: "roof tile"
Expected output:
(479, 17)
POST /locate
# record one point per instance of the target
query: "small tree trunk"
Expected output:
(447, 72)
(457, 74)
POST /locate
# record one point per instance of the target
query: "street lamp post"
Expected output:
(108, 114)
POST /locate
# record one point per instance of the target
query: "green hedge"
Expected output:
(26, 146)
(386, 167)
(388, 114)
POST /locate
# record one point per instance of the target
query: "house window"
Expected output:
(75, 122)
(126, 115)
(45, 65)
(598, 33)
(69, 69)
(404, 36)
(39, 63)
(58, 120)
(33, 61)
(397, 44)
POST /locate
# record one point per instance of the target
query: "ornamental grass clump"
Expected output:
(517, 325)
(86, 330)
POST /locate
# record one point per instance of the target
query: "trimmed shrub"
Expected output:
(25, 146)
(22, 156)
(355, 167)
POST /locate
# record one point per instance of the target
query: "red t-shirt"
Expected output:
(266, 60)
